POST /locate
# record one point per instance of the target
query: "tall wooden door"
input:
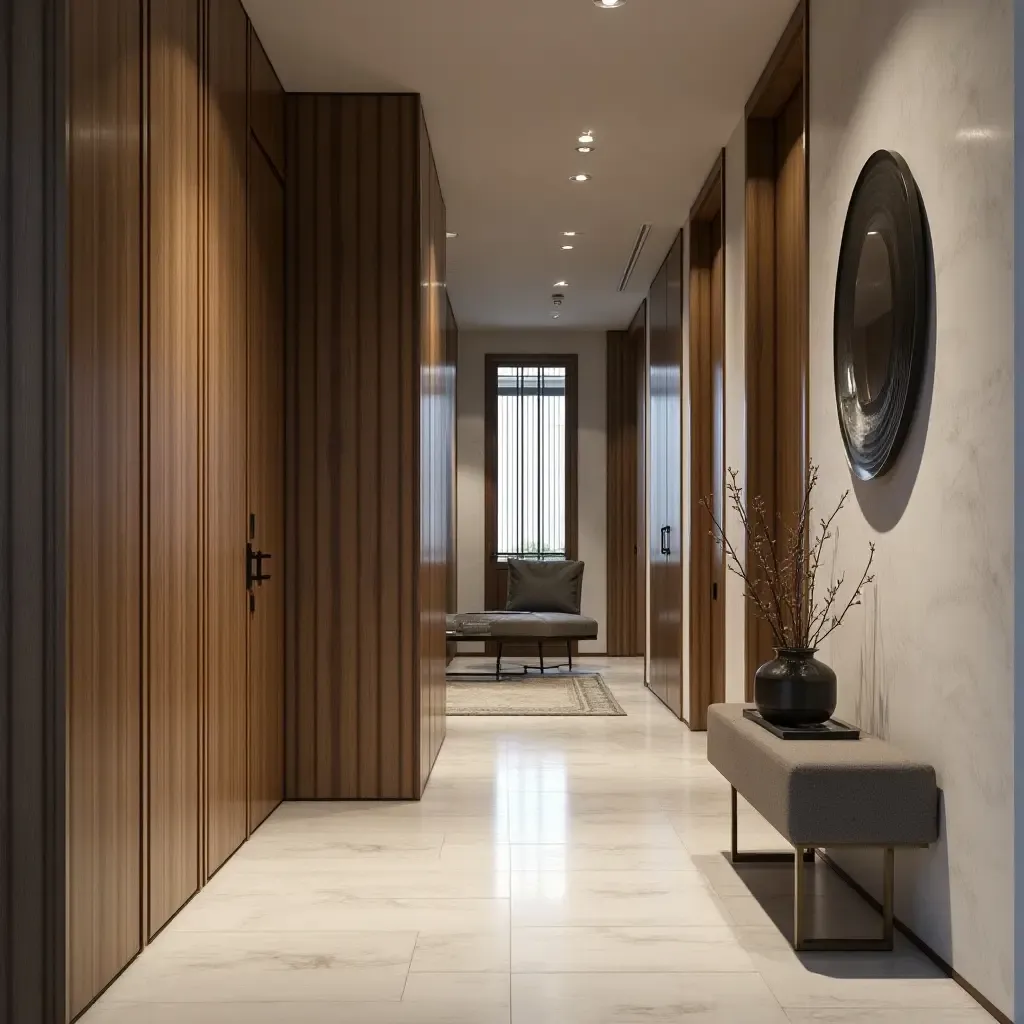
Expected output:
(266, 487)
(665, 311)
(225, 381)
(707, 431)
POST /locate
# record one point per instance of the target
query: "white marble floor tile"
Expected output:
(557, 871)
(237, 967)
(629, 949)
(643, 999)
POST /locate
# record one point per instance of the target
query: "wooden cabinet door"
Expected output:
(266, 487)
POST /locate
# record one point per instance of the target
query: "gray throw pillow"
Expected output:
(544, 586)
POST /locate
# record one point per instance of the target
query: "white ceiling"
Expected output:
(507, 87)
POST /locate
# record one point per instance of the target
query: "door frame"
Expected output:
(776, 361)
(706, 620)
(491, 363)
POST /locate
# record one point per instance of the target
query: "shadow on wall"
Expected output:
(884, 499)
(871, 705)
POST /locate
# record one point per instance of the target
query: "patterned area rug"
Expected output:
(554, 695)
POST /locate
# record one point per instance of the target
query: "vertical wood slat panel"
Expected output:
(33, 426)
(225, 381)
(174, 389)
(266, 483)
(104, 510)
(354, 661)
(267, 105)
(638, 344)
(624, 367)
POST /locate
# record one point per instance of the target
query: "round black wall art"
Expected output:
(882, 313)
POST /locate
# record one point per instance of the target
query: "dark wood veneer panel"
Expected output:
(104, 594)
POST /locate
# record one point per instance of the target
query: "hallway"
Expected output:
(557, 871)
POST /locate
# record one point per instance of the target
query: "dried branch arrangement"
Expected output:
(781, 577)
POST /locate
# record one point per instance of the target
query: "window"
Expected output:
(531, 485)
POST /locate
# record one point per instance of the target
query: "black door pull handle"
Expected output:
(254, 574)
(666, 540)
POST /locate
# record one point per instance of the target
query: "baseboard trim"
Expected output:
(919, 943)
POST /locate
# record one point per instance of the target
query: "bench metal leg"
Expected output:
(568, 647)
(540, 654)
(756, 856)
(497, 664)
(802, 943)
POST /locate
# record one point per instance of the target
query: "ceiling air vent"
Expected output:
(638, 247)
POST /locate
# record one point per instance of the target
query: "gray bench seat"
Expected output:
(826, 793)
(523, 625)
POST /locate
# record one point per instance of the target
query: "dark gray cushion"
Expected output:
(544, 586)
(822, 792)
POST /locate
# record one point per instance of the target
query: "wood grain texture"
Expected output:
(369, 423)
(266, 485)
(104, 677)
(437, 442)
(451, 368)
(33, 428)
(225, 635)
(267, 104)
(174, 391)
(625, 366)
(638, 335)
(665, 309)
(777, 347)
(707, 446)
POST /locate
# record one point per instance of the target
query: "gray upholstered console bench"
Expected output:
(825, 793)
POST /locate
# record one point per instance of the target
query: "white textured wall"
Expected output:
(928, 660)
(735, 397)
(589, 346)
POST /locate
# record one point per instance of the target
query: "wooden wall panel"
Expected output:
(437, 441)
(225, 435)
(33, 428)
(268, 103)
(625, 366)
(451, 368)
(266, 485)
(665, 306)
(174, 608)
(707, 447)
(776, 296)
(105, 497)
(355, 689)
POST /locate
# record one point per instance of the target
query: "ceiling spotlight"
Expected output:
(451, 234)
(587, 138)
(584, 149)
(566, 246)
(608, 4)
(555, 316)
(580, 177)
(561, 284)
(569, 234)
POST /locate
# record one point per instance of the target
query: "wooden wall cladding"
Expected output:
(268, 106)
(165, 756)
(365, 351)
(266, 484)
(452, 361)
(33, 510)
(104, 669)
(225, 444)
(437, 444)
(665, 309)
(174, 610)
(707, 446)
(625, 359)
(777, 346)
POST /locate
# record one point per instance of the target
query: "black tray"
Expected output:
(830, 730)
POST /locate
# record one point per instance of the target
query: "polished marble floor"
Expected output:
(558, 871)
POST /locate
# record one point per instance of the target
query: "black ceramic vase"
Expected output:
(795, 689)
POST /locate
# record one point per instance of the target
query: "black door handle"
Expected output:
(254, 574)
(666, 540)
(714, 591)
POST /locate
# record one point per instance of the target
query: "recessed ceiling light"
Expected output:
(587, 138)
(584, 149)
(451, 234)
(561, 284)
(609, 3)
(580, 177)
(555, 316)
(566, 246)
(569, 234)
